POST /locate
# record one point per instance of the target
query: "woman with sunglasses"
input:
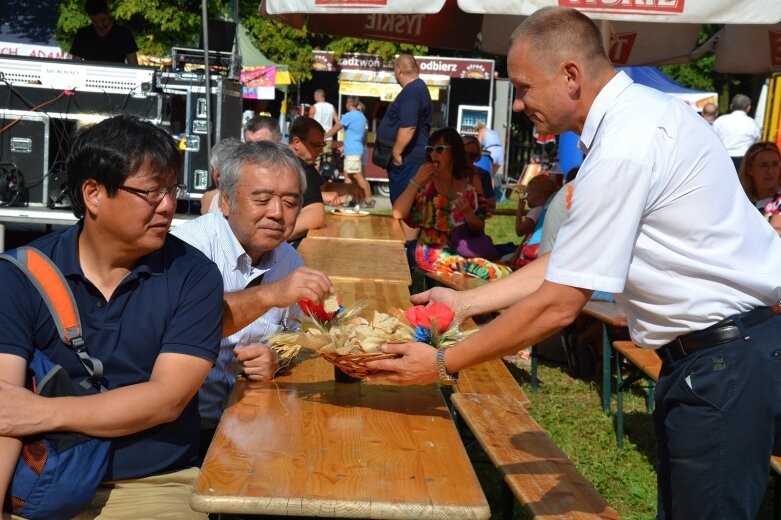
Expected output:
(759, 173)
(444, 200)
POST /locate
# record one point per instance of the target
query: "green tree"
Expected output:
(157, 24)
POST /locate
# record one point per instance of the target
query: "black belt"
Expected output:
(722, 332)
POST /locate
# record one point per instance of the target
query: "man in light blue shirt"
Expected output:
(261, 187)
(354, 124)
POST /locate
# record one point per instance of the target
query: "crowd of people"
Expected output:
(176, 316)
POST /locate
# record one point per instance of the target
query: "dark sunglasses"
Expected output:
(440, 148)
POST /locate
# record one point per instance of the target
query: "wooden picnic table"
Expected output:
(612, 316)
(305, 445)
(369, 228)
(351, 260)
(376, 295)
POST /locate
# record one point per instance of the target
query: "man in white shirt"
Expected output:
(261, 187)
(658, 218)
(737, 130)
(324, 113)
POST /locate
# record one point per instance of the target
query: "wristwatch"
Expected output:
(444, 377)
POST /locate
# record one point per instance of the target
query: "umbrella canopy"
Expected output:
(642, 32)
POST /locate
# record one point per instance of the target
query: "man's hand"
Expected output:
(397, 159)
(447, 296)
(258, 362)
(21, 411)
(417, 366)
(302, 283)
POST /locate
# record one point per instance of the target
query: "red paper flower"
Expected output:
(317, 311)
(438, 313)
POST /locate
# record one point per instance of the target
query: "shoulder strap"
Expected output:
(56, 293)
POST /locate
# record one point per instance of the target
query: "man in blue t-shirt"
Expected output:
(407, 123)
(354, 124)
(151, 312)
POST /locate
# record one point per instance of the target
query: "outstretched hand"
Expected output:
(444, 295)
(416, 366)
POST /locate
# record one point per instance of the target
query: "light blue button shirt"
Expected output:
(212, 235)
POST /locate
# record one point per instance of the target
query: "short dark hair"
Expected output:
(93, 7)
(258, 123)
(114, 149)
(302, 125)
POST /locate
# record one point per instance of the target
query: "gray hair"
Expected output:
(266, 154)
(740, 102)
(221, 150)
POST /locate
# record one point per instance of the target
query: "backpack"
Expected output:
(58, 473)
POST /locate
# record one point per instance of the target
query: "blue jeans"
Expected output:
(717, 417)
(399, 177)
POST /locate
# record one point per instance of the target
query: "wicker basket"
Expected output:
(353, 364)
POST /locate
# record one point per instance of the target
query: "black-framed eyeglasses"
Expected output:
(156, 195)
(440, 148)
(316, 145)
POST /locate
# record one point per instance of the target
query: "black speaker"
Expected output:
(226, 107)
(24, 149)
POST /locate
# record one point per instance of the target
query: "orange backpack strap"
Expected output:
(57, 295)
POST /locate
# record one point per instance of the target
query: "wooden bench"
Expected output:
(612, 317)
(455, 281)
(534, 469)
(491, 378)
(644, 364)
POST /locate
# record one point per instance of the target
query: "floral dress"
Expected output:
(435, 215)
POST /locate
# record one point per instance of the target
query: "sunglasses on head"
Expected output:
(438, 148)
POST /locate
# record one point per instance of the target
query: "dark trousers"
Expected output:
(399, 177)
(717, 417)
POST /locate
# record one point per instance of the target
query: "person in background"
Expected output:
(491, 143)
(444, 200)
(306, 143)
(354, 124)
(262, 128)
(759, 173)
(473, 156)
(406, 123)
(151, 311)
(530, 217)
(710, 111)
(262, 184)
(737, 130)
(687, 256)
(210, 202)
(103, 40)
(324, 113)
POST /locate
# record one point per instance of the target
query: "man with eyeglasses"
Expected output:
(307, 139)
(151, 311)
(261, 189)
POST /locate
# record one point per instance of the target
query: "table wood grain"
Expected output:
(351, 260)
(371, 228)
(305, 445)
(380, 296)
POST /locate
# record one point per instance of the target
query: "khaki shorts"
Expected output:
(352, 164)
(158, 496)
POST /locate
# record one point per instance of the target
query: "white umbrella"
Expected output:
(642, 31)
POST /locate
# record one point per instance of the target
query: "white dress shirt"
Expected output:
(737, 131)
(659, 219)
(211, 234)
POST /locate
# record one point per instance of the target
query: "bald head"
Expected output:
(554, 34)
(406, 69)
